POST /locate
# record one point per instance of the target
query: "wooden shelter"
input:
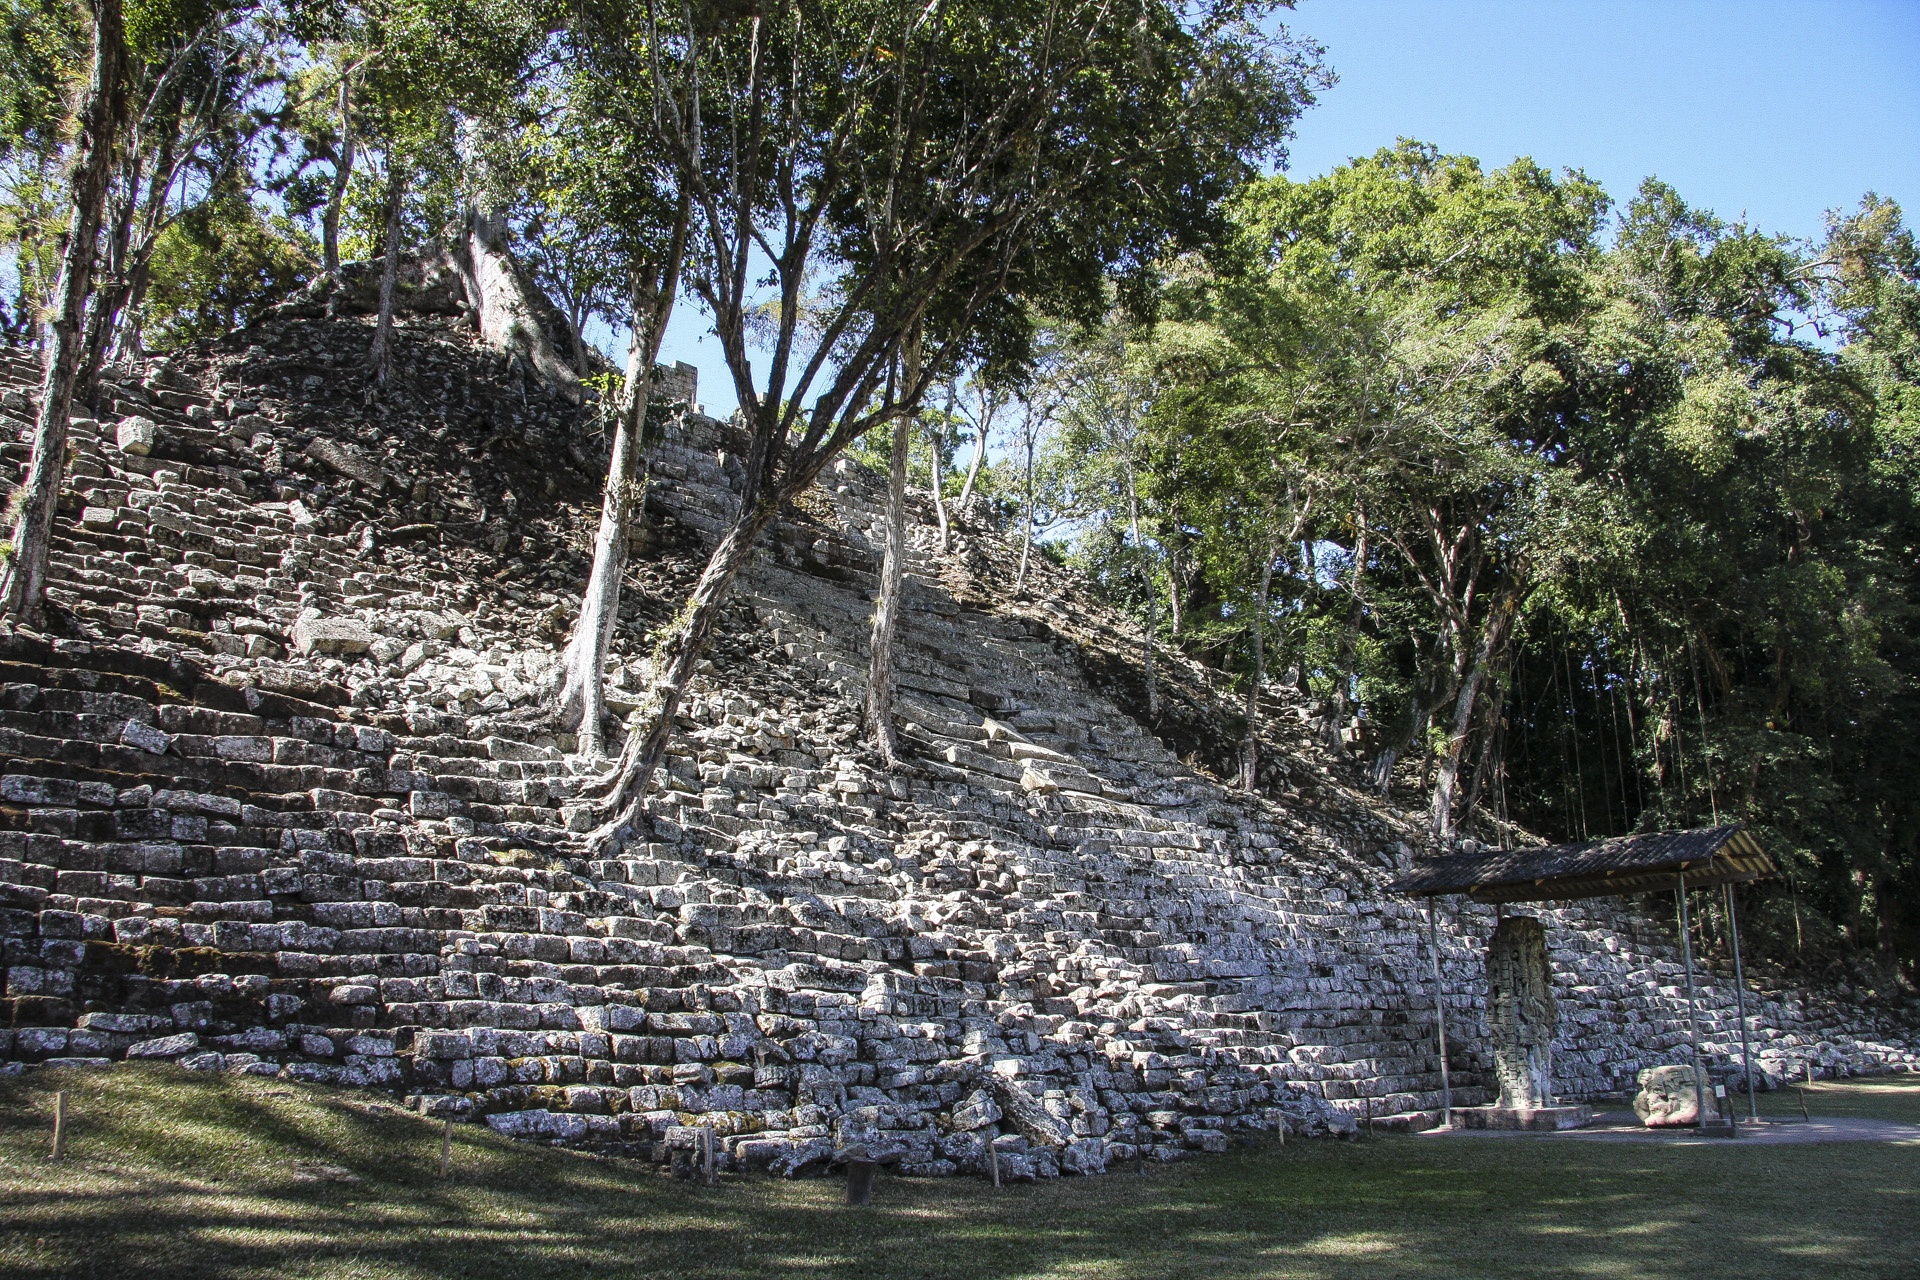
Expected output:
(1705, 858)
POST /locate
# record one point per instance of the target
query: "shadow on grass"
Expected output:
(176, 1174)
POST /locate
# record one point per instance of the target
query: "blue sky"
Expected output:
(1775, 109)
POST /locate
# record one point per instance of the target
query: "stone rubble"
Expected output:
(274, 801)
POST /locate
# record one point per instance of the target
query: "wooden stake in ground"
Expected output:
(446, 1149)
(60, 1125)
(993, 1162)
(860, 1181)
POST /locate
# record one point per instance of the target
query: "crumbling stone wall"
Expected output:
(272, 802)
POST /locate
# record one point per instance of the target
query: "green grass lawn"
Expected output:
(177, 1174)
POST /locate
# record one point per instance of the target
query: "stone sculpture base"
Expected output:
(1564, 1117)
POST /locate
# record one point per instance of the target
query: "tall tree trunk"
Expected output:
(678, 657)
(380, 355)
(127, 338)
(110, 293)
(1250, 741)
(973, 468)
(886, 613)
(505, 301)
(1493, 640)
(1026, 531)
(1173, 588)
(1490, 758)
(581, 696)
(137, 274)
(1153, 597)
(577, 339)
(940, 498)
(23, 581)
(342, 175)
(1356, 614)
(583, 665)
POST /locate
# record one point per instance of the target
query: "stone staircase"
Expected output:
(273, 802)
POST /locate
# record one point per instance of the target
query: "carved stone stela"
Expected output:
(1521, 1010)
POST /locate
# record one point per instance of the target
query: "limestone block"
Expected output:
(146, 737)
(1033, 1120)
(800, 1156)
(135, 435)
(347, 462)
(165, 1046)
(1666, 1099)
(1037, 782)
(976, 1112)
(342, 637)
(1087, 1156)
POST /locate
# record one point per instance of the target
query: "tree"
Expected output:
(934, 165)
(624, 184)
(23, 578)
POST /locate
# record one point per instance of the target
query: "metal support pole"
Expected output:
(1440, 1014)
(1693, 1011)
(1740, 1000)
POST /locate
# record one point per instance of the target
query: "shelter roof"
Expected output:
(1598, 868)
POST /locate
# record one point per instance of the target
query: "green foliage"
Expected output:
(43, 50)
(218, 266)
(1704, 514)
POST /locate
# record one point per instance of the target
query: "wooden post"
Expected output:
(1740, 1001)
(709, 1176)
(60, 1125)
(993, 1162)
(1367, 1102)
(446, 1148)
(860, 1181)
(1439, 1017)
(1693, 1006)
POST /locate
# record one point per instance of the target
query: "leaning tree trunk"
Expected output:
(625, 787)
(509, 307)
(1492, 643)
(23, 580)
(380, 355)
(622, 792)
(886, 613)
(342, 174)
(1250, 743)
(110, 294)
(973, 472)
(1489, 763)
